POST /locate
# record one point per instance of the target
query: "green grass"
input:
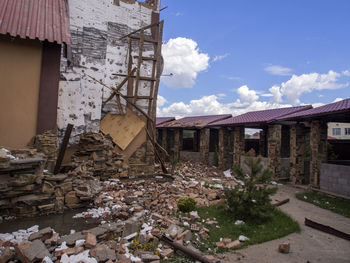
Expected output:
(334, 204)
(278, 226)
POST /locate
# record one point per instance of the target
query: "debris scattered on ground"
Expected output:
(284, 248)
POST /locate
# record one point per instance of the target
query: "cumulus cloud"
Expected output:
(209, 105)
(246, 95)
(276, 94)
(278, 70)
(306, 83)
(184, 60)
(346, 73)
(220, 57)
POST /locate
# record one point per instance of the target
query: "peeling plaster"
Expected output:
(96, 26)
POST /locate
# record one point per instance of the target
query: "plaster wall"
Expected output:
(20, 66)
(96, 26)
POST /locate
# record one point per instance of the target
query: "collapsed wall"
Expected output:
(97, 51)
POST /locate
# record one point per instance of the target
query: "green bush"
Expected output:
(251, 198)
(186, 204)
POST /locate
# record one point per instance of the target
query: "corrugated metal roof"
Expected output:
(161, 120)
(260, 117)
(336, 107)
(41, 19)
(196, 122)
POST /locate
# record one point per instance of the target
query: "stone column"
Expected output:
(223, 150)
(274, 134)
(297, 153)
(204, 145)
(318, 150)
(177, 144)
(262, 143)
(195, 141)
(238, 144)
(164, 141)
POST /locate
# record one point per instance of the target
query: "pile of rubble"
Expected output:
(97, 152)
(27, 189)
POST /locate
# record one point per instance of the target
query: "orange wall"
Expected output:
(20, 65)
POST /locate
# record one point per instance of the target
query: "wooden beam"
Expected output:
(63, 148)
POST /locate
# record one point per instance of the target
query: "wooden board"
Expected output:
(122, 128)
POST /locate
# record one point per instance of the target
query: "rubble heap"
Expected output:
(100, 156)
(27, 189)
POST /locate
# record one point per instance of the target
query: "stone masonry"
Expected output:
(177, 143)
(297, 153)
(238, 144)
(204, 145)
(318, 145)
(223, 149)
(274, 134)
(262, 143)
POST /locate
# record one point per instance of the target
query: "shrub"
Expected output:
(186, 204)
(251, 198)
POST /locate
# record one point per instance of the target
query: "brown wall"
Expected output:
(20, 66)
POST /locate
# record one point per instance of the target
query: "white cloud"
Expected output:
(246, 95)
(278, 70)
(179, 14)
(209, 105)
(276, 94)
(220, 57)
(306, 83)
(346, 73)
(161, 101)
(183, 59)
(338, 99)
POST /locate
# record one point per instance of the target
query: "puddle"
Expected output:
(61, 223)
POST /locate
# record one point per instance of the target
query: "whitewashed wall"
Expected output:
(96, 26)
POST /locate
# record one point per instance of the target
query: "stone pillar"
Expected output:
(204, 145)
(318, 150)
(238, 144)
(195, 141)
(177, 144)
(297, 153)
(262, 143)
(164, 141)
(274, 134)
(223, 150)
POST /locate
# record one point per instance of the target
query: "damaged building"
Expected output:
(92, 64)
(79, 87)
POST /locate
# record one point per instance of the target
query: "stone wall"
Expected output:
(335, 179)
(27, 190)
(318, 147)
(142, 160)
(223, 149)
(274, 134)
(238, 144)
(297, 153)
(204, 145)
(195, 157)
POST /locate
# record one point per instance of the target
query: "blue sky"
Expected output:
(237, 56)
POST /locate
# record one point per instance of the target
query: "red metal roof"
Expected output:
(41, 19)
(161, 120)
(196, 122)
(260, 117)
(336, 107)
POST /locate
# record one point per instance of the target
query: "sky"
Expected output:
(234, 56)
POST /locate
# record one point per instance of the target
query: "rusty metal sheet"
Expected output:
(36, 19)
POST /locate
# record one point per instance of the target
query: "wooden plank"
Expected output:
(122, 128)
(146, 58)
(142, 28)
(327, 229)
(140, 77)
(139, 62)
(63, 148)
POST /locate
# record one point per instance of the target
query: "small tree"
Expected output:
(251, 197)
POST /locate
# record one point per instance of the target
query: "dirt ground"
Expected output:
(310, 245)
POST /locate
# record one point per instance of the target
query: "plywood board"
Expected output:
(122, 128)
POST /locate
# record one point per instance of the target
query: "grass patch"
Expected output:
(335, 204)
(278, 226)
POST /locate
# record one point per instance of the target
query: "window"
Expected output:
(336, 131)
(347, 131)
